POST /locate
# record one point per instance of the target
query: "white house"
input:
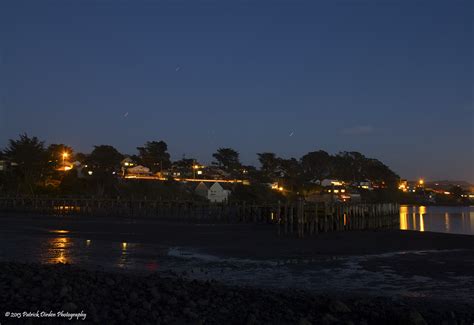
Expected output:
(215, 193)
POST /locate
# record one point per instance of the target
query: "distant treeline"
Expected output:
(32, 168)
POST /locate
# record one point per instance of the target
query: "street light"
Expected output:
(65, 155)
(195, 167)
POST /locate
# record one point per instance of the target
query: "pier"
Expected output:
(299, 218)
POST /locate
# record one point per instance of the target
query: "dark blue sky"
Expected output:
(391, 79)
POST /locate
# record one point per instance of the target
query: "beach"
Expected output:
(389, 276)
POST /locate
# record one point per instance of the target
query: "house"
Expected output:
(3, 165)
(214, 172)
(127, 162)
(331, 182)
(6, 165)
(215, 193)
(139, 171)
(202, 190)
(366, 185)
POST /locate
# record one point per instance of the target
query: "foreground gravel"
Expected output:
(119, 298)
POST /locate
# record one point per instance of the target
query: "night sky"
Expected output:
(391, 79)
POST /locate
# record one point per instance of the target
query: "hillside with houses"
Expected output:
(30, 167)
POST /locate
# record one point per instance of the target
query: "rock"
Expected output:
(337, 306)
(415, 318)
(328, 319)
(155, 294)
(251, 319)
(64, 291)
(223, 311)
(173, 301)
(69, 307)
(190, 314)
(17, 282)
(146, 305)
(304, 321)
(110, 282)
(133, 296)
(203, 302)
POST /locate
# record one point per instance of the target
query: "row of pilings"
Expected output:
(299, 218)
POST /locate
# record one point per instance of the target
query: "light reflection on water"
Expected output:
(58, 249)
(455, 220)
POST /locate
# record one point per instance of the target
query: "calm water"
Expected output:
(455, 220)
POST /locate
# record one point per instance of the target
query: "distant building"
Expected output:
(214, 172)
(331, 182)
(127, 162)
(3, 165)
(215, 193)
(202, 190)
(366, 185)
(403, 185)
(138, 171)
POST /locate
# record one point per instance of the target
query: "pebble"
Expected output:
(337, 306)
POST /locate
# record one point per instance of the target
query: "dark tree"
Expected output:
(316, 166)
(291, 174)
(228, 160)
(80, 157)
(104, 158)
(104, 162)
(270, 166)
(349, 166)
(184, 167)
(155, 156)
(378, 172)
(31, 160)
(457, 191)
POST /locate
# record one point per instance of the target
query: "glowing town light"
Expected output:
(90, 172)
(199, 172)
(65, 155)
(421, 181)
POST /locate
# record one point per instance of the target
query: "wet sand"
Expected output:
(239, 240)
